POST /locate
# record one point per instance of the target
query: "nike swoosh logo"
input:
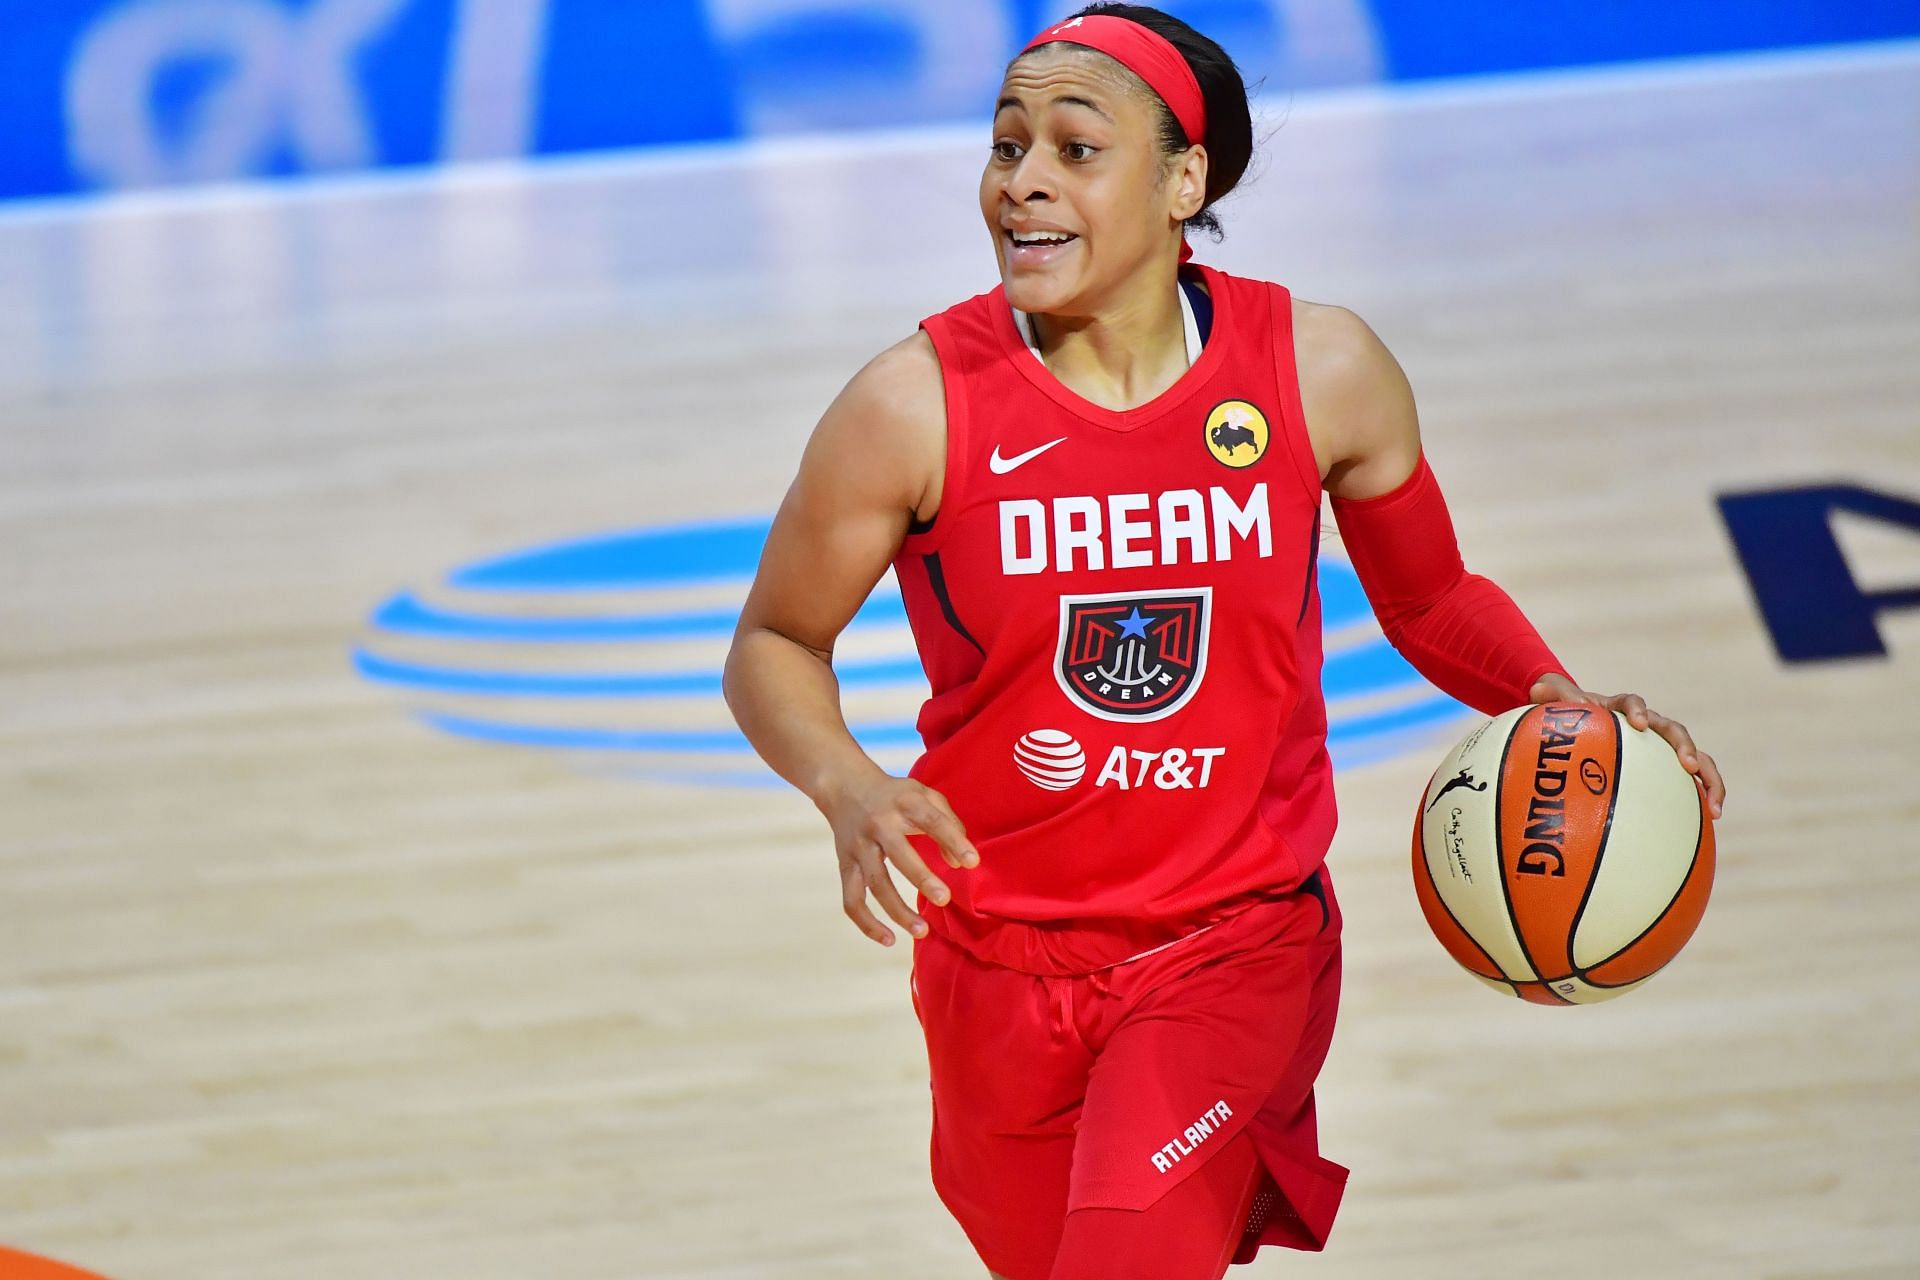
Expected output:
(1000, 466)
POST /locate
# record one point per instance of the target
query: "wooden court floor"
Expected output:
(296, 984)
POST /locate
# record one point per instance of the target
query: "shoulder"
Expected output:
(903, 382)
(899, 390)
(1357, 399)
(1339, 352)
(887, 427)
(1332, 345)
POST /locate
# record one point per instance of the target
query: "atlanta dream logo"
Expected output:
(1133, 655)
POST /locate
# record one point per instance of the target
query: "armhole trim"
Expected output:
(927, 535)
(1286, 372)
(1313, 570)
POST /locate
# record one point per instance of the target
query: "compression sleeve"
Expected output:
(1461, 631)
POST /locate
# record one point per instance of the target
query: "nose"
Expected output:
(1030, 181)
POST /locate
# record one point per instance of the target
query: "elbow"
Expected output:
(732, 672)
(1401, 618)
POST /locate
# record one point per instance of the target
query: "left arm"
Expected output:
(1459, 629)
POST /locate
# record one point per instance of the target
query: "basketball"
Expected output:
(1562, 855)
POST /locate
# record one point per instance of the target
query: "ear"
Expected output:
(1190, 183)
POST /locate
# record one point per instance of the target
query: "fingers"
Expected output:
(1634, 708)
(878, 836)
(1554, 687)
(853, 900)
(887, 894)
(907, 858)
(1692, 758)
(935, 817)
(1716, 788)
(1676, 734)
(869, 875)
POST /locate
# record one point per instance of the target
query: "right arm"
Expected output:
(877, 457)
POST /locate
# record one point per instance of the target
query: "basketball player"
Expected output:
(1099, 486)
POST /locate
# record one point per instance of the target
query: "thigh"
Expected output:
(1009, 1074)
(1188, 1055)
(1190, 1233)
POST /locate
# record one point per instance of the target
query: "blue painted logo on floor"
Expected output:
(608, 649)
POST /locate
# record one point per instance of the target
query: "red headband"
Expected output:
(1147, 54)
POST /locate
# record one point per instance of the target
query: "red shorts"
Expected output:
(1108, 1089)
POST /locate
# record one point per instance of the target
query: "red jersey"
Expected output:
(1118, 614)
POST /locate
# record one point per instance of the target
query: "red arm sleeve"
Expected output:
(1460, 630)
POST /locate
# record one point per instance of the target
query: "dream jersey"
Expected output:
(1118, 616)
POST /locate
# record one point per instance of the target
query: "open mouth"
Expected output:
(1038, 246)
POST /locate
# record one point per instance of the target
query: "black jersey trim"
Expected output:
(1313, 567)
(1315, 886)
(1202, 309)
(938, 578)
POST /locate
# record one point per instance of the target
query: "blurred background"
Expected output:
(394, 395)
(120, 94)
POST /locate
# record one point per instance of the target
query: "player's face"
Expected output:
(1076, 192)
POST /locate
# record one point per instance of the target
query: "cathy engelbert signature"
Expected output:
(1455, 845)
(1463, 780)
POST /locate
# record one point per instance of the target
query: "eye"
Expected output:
(1079, 151)
(1007, 151)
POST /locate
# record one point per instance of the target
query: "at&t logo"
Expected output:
(1054, 760)
(1050, 759)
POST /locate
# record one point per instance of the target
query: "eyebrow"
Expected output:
(1069, 99)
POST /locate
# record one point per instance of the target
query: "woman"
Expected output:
(1099, 486)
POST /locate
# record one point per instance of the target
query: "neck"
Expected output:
(1124, 352)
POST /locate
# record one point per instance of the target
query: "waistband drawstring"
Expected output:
(1060, 1000)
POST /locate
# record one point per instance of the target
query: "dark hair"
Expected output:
(1229, 140)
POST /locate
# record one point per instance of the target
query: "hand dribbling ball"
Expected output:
(1562, 855)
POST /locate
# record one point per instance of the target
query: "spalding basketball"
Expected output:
(1562, 854)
